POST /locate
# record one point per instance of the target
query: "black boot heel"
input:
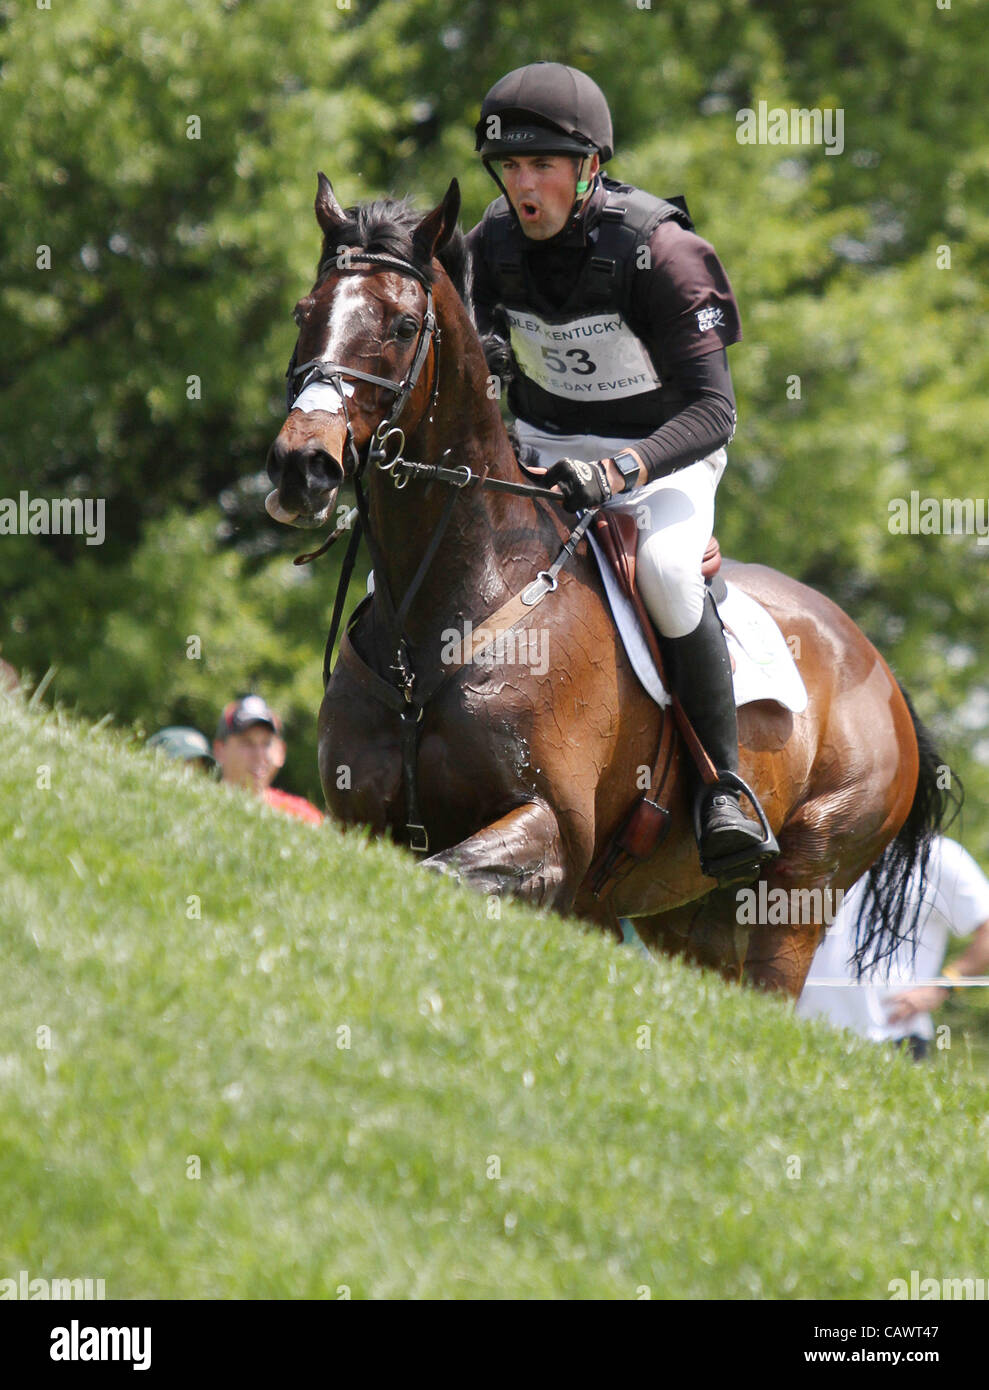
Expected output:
(747, 846)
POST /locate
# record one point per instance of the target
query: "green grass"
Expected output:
(476, 1045)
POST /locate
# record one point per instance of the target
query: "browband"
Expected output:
(385, 262)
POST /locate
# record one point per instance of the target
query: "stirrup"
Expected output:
(742, 866)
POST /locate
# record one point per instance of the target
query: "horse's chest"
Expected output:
(469, 762)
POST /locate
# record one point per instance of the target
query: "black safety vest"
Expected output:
(603, 285)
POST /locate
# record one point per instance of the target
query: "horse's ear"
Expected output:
(329, 213)
(438, 226)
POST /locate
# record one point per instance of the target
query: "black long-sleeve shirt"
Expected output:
(683, 310)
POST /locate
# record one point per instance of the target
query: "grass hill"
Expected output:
(241, 1056)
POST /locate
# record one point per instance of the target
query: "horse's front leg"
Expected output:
(522, 854)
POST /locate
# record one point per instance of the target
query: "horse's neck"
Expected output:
(468, 573)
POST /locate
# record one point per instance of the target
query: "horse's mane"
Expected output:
(386, 226)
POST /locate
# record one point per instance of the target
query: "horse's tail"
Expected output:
(897, 881)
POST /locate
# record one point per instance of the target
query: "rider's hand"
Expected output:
(582, 485)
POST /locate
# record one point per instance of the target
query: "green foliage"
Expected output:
(387, 1090)
(177, 258)
(181, 627)
(171, 255)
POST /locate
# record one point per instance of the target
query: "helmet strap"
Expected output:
(488, 164)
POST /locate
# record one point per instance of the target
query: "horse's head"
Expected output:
(367, 353)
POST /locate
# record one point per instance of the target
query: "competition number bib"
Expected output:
(597, 358)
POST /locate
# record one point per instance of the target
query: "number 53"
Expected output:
(555, 362)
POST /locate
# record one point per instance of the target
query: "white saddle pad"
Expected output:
(764, 665)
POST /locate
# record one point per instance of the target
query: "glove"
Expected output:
(583, 485)
(499, 357)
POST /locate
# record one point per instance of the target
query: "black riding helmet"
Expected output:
(544, 108)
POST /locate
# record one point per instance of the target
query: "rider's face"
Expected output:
(541, 189)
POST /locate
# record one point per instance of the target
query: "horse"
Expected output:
(513, 778)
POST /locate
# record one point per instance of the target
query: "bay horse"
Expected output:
(523, 772)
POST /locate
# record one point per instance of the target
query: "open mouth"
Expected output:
(306, 471)
(304, 520)
(277, 512)
(528, 209)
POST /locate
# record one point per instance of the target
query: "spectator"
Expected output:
(894, 1002)
(251, 751)
(188, 745)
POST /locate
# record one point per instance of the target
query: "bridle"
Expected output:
(385, 448)
(387, 444)
(387, 438)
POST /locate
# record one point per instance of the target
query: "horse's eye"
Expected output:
(406, 328)
(301, 310)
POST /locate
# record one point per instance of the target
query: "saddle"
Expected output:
(618, 536)
(647, 824)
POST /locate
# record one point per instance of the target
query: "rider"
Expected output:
(618, 317)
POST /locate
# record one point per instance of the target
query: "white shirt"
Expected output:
(956, 900)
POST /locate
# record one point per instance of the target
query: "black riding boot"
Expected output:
(700, 671)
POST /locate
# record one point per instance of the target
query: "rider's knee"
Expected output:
(676, 614)
(673, 590)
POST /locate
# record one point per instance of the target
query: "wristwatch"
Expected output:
(627, 464)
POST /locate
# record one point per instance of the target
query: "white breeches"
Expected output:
(675, 516)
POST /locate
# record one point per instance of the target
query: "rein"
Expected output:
(429, 472)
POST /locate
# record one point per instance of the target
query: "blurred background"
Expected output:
(167, 155)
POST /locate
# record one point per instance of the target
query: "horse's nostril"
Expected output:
(304, 474)
(320, 469)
